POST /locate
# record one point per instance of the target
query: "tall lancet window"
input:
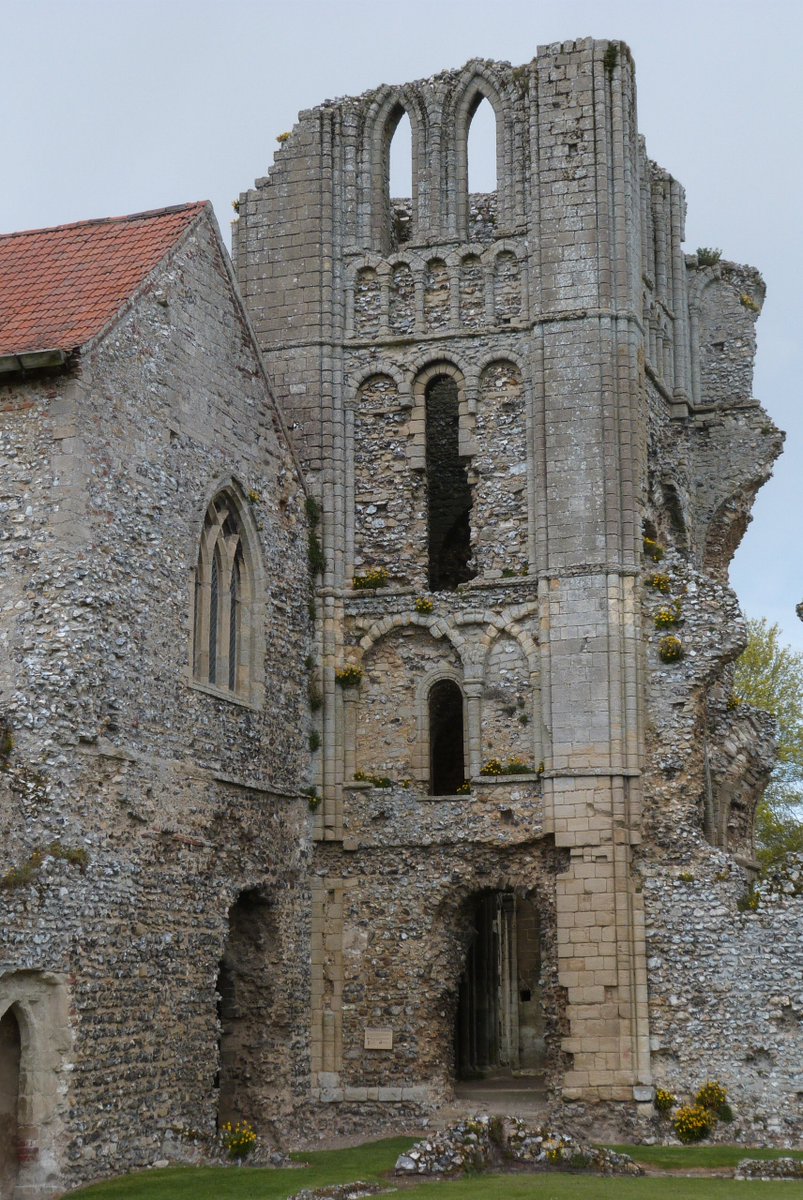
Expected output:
(223, 601)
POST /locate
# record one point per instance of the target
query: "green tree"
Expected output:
(769, 675)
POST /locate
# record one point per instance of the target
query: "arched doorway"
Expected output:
(500, 1022)
(10, 1053)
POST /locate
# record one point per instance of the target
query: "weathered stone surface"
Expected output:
(176, 949)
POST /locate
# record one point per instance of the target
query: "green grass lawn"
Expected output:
(677, 1158)
(373, 1160)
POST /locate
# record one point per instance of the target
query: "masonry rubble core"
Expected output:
(497, 397)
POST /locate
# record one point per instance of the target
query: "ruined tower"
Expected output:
(466, 380)
(510, 406)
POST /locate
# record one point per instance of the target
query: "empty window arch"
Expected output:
(449, 498)
(223, 617)
(400, 156)
(447, 763)
(393, 182)
(481, 169)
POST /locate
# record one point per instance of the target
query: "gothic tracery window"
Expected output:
(223, 595)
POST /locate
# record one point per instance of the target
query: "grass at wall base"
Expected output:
(373, 1161)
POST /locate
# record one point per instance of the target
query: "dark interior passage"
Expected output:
(447, 764)
(448, 490)
(500, 1024)
(10, 1051)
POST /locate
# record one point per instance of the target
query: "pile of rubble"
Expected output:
(770, 1168)
(340, 1191)
(483, 1142)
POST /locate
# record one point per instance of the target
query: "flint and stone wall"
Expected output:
(164, 800)
(157, 848)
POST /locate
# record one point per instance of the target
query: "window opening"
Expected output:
(400, 177)
(214, 615)
(481, 149)
(449, 497)
(447, 764)
(234, 615)
(222, 600)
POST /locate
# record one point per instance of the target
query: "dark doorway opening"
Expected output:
(500, 1022)
(243, 1003)
(448, 490)
(447, 764)
(10, 1052)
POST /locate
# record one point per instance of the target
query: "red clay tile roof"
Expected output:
(61, 286)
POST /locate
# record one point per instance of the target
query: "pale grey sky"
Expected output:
(114, 106)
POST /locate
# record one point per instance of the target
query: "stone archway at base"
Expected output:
(500, 1023)
(10, 1051)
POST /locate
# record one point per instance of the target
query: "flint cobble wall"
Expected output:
(170, 798)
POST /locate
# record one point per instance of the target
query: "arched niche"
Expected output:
(401, 300)
(392, 727)
(502, 494)
(472, 292)
(389, 496)
(437, 308)
(507, 703)
(367, 303)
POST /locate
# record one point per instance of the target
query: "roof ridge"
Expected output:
(148, 214)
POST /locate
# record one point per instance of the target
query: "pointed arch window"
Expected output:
(223, 625)
(394, 181)
(481, 155)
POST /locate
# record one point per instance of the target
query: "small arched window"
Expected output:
(447, 763)
(223, 601)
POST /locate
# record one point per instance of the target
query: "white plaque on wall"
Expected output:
(379, 1039)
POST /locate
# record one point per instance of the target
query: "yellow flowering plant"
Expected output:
(238, 1139)
(692, 1123)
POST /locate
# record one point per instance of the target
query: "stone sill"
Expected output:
(220, 694)
(517, 777)
(472, 585)
(479, 781)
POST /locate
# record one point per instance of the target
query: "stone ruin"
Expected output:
(287, 846)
